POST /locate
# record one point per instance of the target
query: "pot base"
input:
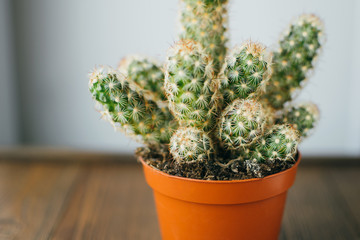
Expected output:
(190, 209)
(186, 220)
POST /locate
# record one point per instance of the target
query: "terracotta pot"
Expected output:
(190, 209)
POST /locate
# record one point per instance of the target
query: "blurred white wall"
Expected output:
(59, 42)
(354, 102)
(8, 100)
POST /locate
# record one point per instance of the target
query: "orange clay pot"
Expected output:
(190, 209)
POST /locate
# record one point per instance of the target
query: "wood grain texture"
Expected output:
(316, 206)
(32, 197)
(65, 200)
(110, 202)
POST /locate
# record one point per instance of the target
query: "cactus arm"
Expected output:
(190, 85)
(245, 71)
(146, 74)
(128, 110)
(205, 21)
(298, 49)
(303, 117)
(279, 143)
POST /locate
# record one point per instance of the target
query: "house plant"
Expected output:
(219, 127)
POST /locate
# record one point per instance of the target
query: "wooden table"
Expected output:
(100, 199)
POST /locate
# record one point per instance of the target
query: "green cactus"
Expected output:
(128, 110)
(246, 69)
(209, 110)
(279, 143)
(190, 85)
(298, 49)
(303, 117)
(189, 144)
(205, 21)
(241, 123)
(146, 74)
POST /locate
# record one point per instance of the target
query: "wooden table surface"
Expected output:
(110, 200)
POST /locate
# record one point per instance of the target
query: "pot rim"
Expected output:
(298, 158)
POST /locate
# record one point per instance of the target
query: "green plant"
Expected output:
(191, 86)
(146, 74)
(298, 49)
(302, 117)
(241, 123)
(127, 109)
(205, 22)
(189, 144)
(212, 108)
(280, 142)
(245, 72)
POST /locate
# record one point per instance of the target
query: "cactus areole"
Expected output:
(219, 127)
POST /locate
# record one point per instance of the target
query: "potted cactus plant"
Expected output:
(219, 128)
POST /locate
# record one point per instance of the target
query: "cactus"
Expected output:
(128, 110)
(190, 85)
(303, 117)
(279, 143)
(298, 49)
(189, 144)
(246, 70)
(204, 21)
(241, 123)
(146, 74)
(222, 114)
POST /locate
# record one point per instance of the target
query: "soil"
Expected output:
(216, 169)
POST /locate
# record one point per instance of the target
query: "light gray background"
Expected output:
(48, 47)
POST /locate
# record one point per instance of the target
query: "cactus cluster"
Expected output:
(205, 104)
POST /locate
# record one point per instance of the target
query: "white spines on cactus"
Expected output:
(146, 74)
(245, 71)
(303, 117)
(298, 49)
(128, 110)
(189, 144)
(205, 21)
(279, 143)
(241, 123)
(190, 85)
(209, 107)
